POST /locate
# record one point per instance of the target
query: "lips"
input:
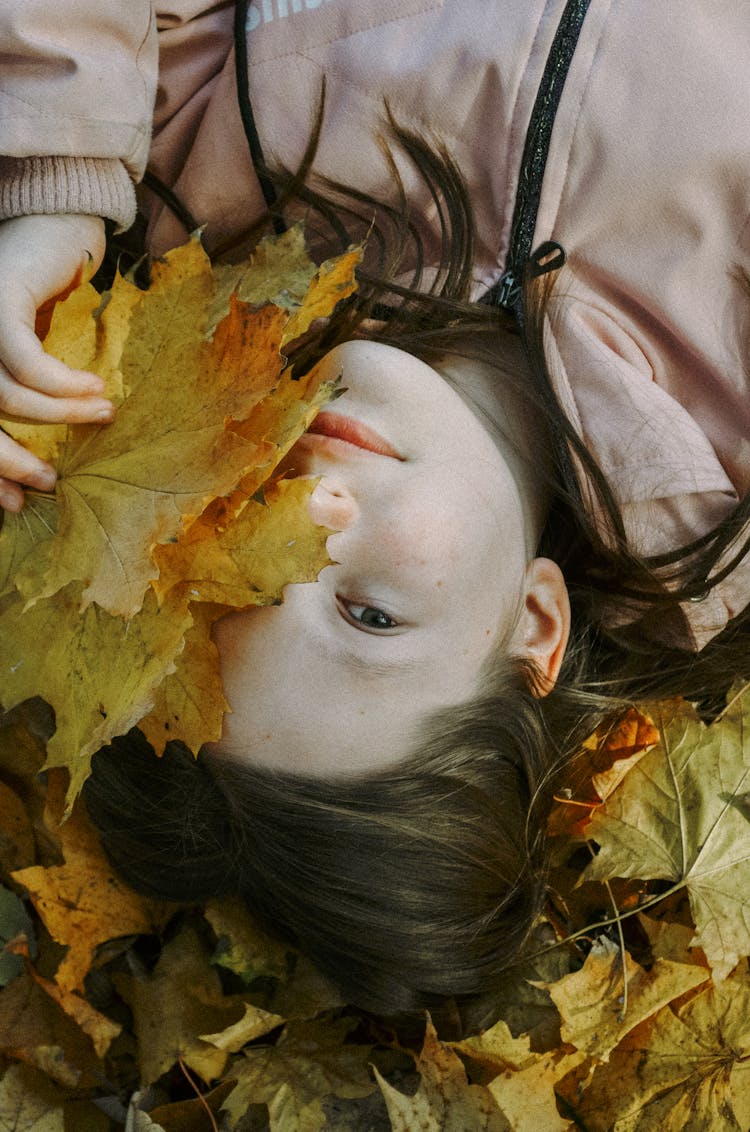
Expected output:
(338, 427)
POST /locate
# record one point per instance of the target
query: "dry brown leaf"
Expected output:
(17, 843)
(98, 1027)
(175, 1004)
(189, 1116)
(22, 756)
(34, 1028)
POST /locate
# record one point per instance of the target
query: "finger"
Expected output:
(11, 496)
(24, 357)
(20, 466)
(20, 402)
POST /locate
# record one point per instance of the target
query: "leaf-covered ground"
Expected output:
(632, 1010)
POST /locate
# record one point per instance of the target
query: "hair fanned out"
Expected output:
(408, 888)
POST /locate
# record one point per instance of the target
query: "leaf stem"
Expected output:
(623, 952)
(198, 1093)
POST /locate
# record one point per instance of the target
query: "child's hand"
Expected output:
(40, 257)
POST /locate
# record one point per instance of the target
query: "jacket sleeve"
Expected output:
(77, 87)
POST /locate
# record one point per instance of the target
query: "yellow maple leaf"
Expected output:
(99, 672)
(522, 1082)
(445, 1101)
(279, 270)
(683, 1069)
(127, 486)
(595, 1013)
(189, 703)
(681, 815)
(82, 902)
(309, 1062)
(250, 560)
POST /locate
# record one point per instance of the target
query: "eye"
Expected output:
(367, 617)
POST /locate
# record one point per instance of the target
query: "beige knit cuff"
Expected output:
(86, 185)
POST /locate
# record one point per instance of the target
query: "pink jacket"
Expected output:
(645, 185)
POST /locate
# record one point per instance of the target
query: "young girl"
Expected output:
(570, 122)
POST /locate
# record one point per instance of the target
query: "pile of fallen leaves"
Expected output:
(632, 1010)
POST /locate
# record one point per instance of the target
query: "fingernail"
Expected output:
(104, 415)
(47, 480)
(10, 501)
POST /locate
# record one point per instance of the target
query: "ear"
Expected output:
(541, 634)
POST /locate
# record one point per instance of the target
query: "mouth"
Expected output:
(338, 427)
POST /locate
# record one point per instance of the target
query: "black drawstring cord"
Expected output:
(247, 116)
(508, 291)
(171, 200)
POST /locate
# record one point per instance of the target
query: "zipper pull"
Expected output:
(549, 256)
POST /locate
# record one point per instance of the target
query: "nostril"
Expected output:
(331, 505)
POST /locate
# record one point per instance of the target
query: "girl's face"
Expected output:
(435, 522)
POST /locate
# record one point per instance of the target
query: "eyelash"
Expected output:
(348, 606)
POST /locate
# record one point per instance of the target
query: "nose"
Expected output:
(332, 505)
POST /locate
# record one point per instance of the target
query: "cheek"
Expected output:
(425, 526)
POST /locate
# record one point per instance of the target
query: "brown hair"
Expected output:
(418, 885)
